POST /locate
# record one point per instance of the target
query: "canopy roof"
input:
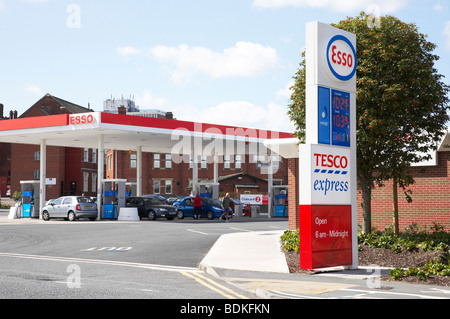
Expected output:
(127, 132)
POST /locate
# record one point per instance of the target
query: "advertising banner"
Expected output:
(254, 199)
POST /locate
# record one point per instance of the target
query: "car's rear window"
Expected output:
(85, 200)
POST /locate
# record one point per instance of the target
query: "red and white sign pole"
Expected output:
(328, 220)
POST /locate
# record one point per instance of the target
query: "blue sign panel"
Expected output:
(340, 106)
(324, 115)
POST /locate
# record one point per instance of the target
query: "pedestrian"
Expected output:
(197, 207)
(226, 206)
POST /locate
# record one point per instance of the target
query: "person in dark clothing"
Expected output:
(226, 206)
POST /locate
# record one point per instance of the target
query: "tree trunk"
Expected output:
(367, 208)
(395, 205)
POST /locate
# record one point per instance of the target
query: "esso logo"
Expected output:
(341, 58)
(332, 161)
(81, 119)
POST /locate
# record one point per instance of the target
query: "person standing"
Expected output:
(197, 207)
(226, 206)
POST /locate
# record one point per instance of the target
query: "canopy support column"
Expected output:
(100, 175)
(43, 176)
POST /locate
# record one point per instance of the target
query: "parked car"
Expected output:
(150, 207)
(161, 198)
(71, 208)
(210, 208)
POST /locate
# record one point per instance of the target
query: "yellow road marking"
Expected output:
(222, 290)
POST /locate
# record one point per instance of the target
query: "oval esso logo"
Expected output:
(341, 58)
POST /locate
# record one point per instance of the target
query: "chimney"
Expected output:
(1, 111)
(169, 115)
(122, 110)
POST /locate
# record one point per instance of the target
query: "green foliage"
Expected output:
(291, 240)
(402, 102)
(413, 239)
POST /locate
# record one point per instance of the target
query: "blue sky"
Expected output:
(227, 62)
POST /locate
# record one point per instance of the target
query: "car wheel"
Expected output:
(210, 215)
(45, 215)
(72, 217)
(151, 215)
(180, 214)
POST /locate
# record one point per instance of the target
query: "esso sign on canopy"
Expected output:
(341, 58)
(79, 119)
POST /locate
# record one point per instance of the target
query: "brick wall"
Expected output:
(430, 195)
(293, 193)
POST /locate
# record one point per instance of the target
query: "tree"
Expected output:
(402, 103)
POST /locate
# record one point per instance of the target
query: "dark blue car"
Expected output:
(210, 208)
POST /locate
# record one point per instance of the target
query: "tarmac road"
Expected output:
(218, 260)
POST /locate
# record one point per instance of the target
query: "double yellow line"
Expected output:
(211, 284)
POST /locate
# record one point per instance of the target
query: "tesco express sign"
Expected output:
(329, 180)
(341, 58)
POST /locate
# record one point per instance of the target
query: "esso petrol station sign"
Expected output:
(341, 58)
(327, 161)
(83, 119)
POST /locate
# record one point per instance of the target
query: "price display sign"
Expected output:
(340, 106)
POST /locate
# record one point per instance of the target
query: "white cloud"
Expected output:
(127, 51)
(34, 89)
(386, 6)
(245, 59)
(285, 93)
(447, 35)
(148, 101)
(239, 113)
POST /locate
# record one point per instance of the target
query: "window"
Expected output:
(37, 174)
(168, 186)
(94, 156)
(86, 155)
(156, 186)
(169, 161)
(37, 155)
(85, 182)
(238, 161)
(94, 183)
(156, 161)
(226, 161)
(133, 160)
(204, 163)
(67, 201)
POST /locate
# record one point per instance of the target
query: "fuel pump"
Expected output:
(113, 197)
(280, 200)
(209, 190)
(30, 199)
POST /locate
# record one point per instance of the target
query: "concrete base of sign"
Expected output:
(128, 214)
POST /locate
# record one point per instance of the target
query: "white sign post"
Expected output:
(328, 212)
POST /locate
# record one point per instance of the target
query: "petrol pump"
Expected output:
(113, 197)
(280, 202)
(209, 190)
(30, 199)
(131, 189)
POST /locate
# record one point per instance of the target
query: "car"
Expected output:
(71, 208)
(150, 207)
(210, 208)
(161, 198)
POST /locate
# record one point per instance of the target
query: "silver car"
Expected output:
(71, 208)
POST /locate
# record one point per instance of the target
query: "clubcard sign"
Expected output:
(327, 163)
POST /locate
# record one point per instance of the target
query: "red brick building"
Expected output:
(74, 170)
(237, 174)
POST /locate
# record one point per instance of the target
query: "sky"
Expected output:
(226, 62)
